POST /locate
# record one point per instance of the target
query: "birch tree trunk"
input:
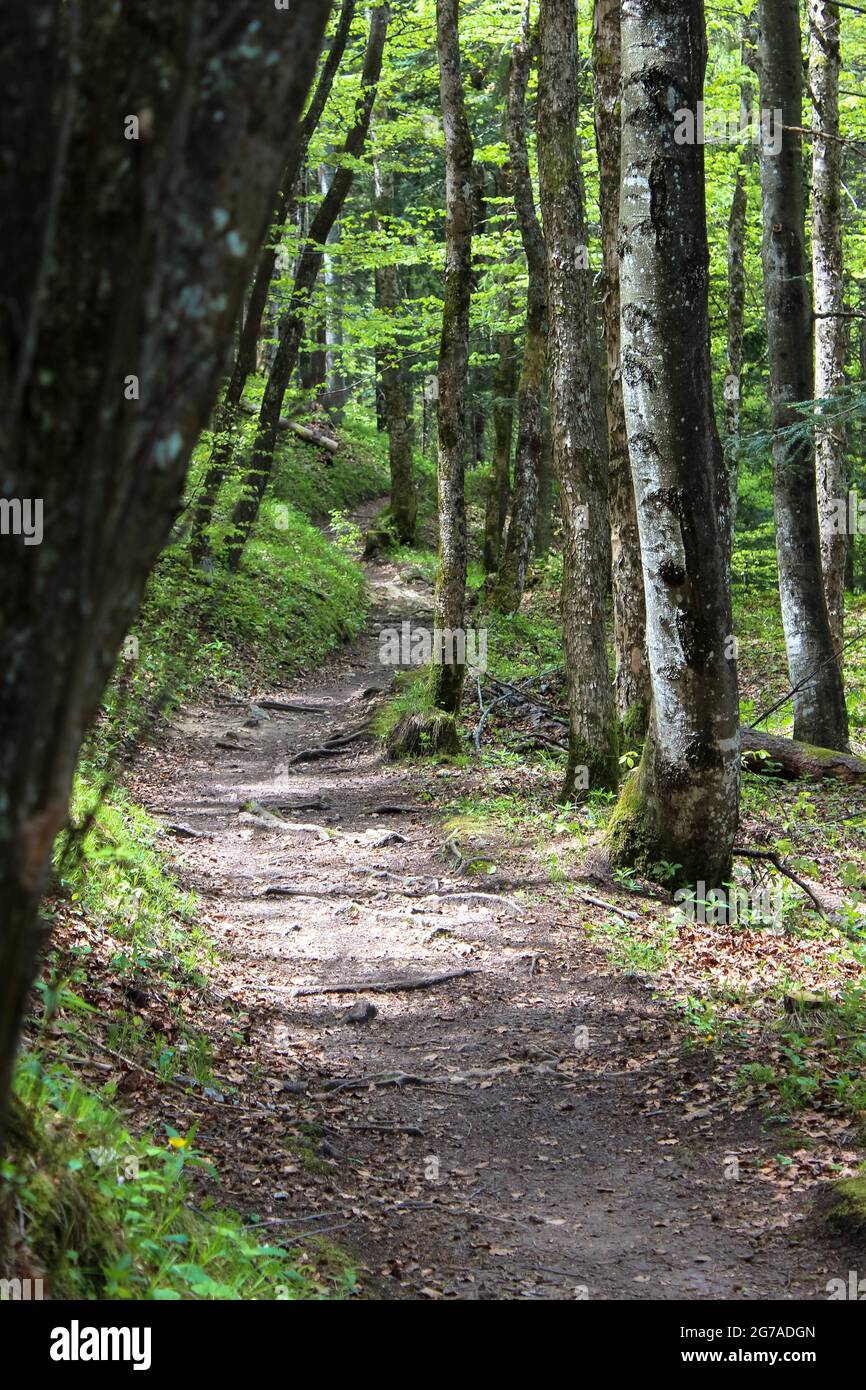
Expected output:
(820, 716)
(129, 237)
(447, 675)
(593, 745)
(631, 684)
(520, 529)
(828, 280)
(680, 806)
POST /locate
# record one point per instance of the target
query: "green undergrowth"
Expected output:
(101, 1210)
(103, 1214)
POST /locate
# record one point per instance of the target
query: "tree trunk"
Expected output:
(225, 424)
(332, 379)
(292, 322)
(520, 531)
(679, 809)
(394, 379)
(593, 745)
(820, 716)
(448, 675)
(828, 274)
(123, 279)
(737, 305)
(544, 512)
(499, 488)
(631, 685)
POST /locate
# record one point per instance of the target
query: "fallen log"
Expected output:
(775, 756)
(310, 436)
(305, 432)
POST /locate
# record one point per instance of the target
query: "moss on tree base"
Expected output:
(423, 732)
(633, 728)
(632, 838)
(844, 1207)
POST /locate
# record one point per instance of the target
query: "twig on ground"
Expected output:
(776, 860)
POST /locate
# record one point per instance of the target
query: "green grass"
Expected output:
(105, 1215)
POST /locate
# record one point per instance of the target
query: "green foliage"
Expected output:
(107, 1215)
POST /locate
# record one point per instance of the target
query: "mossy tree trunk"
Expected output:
(631, 683)
(228, 413)
(820, 715)
(593, 743)
(394, 379)
(681, 804)
(132, 220)
(310, 262)
(520, 530)
(447, 676)
(828, 278)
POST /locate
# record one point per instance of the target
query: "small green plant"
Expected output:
(347, 534)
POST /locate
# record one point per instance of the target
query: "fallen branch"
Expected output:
(609, 907)
(280, 890)
(386, 986)
(400, 1078)
(478, 897)
(305, 432)
(310, 436)
(776, 860)
(268, 821)
(293, 707)
(329, 749)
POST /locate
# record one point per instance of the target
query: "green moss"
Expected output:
(632, 834)
(846, 1207)
(591, 769)
(633, 727)
(423, 734)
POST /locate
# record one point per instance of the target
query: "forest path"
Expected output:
(529, 1165)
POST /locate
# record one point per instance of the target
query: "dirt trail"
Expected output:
(540, 1161)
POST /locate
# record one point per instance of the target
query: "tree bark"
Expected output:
(520, 530)
(449, 606)
(129, 238)
(225, 424)
(828, 278)
(680, 806)
(631, 684)
(499, 487)
(782, 757)
(394, 379)
(737, 302)
(544, 512)
(820, 716)
(593, 744)
(332, 396)
(292, 322)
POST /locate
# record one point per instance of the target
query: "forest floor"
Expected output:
(539, 1125)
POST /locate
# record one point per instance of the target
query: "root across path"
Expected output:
(511, 1119)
